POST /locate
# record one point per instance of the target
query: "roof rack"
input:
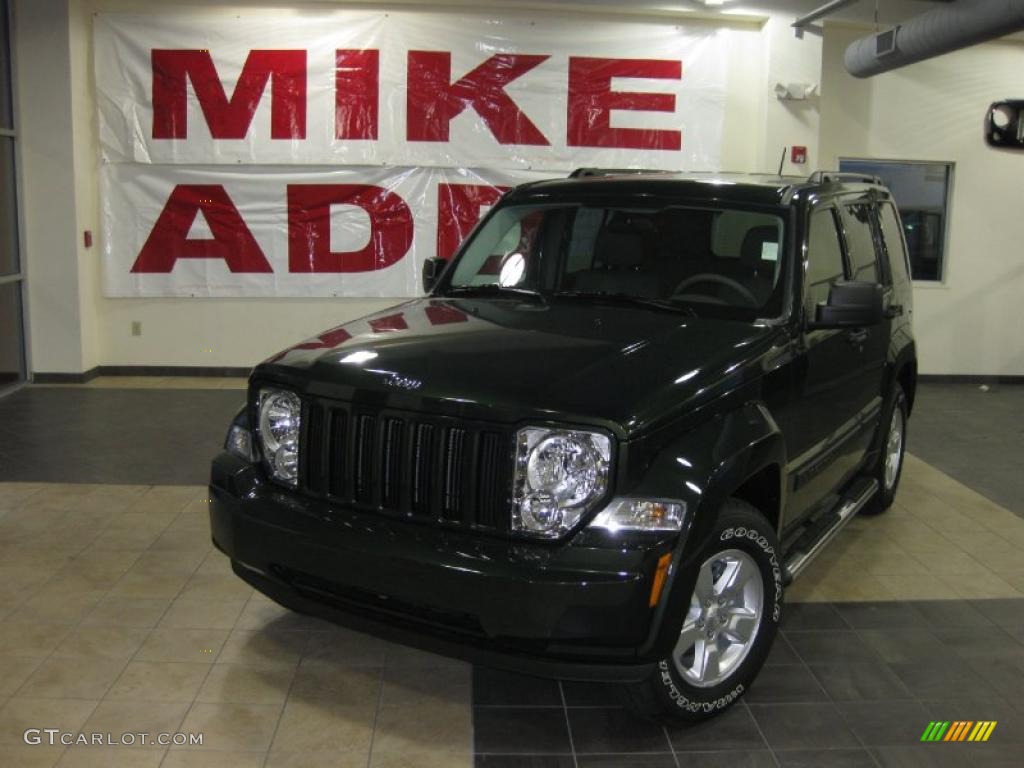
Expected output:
(581, 173)
(824, 177)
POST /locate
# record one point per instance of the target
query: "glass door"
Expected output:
(12, 278)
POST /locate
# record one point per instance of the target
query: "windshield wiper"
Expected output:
(626, 298)
(493, 289)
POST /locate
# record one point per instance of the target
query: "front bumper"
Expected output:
(560, 610)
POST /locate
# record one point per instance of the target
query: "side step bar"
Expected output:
(803, 555)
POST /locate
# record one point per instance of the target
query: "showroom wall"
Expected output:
(971, 323)
(964, 326)
(238, 332)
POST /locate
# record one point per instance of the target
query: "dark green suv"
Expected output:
(630, 410)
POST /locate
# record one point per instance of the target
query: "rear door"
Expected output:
(864, 245)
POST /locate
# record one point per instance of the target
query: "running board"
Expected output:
(799, 560)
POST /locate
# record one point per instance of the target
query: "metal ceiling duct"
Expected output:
(934, 33)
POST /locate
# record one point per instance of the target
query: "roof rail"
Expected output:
(824, 177)
(581, 173)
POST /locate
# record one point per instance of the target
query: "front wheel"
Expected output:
(729, 626)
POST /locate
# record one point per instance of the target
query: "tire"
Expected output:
(895, 415)
(742, 539)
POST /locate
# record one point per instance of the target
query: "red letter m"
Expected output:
(229, 118)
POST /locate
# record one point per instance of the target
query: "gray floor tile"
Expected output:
(661, 760)
(948, 614)
(791, 683)
(819, 647)
(819, 758)
(597, 730)
(803, 726)
(727, 759)
(522, 730)
(881, 615)
(860, 682)
(885, 723)
(732, 729)
(970, 434)
(162, 436)
(808, 616)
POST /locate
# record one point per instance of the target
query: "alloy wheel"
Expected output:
(723, 618)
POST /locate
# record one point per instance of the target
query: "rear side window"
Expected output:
(861, 242)
(824, 258)
(892, 235)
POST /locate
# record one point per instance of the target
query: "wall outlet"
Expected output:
(136, 328)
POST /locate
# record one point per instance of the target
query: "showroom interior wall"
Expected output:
(60, 130)
(961, 324)
(933, 110)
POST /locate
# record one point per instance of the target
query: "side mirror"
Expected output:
(432, 269)
(1004, 124)
(853, 304)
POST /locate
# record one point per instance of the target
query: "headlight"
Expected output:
(641, 515)
(559, 475)
(280, 418)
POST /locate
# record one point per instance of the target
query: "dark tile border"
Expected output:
(967, 378)
(210, 371)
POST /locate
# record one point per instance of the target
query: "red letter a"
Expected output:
(232, 241)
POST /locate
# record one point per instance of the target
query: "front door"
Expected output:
(827, 426)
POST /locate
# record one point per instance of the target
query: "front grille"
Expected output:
(435, 469)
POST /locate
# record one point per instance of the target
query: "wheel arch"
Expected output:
(737, 454)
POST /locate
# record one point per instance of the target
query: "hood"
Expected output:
(506, 360)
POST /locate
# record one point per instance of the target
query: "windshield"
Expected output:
(718, 262)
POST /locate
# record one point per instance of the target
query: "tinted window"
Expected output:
(824, 258)
(922, 195)
(892, 236)
(860, 242)
(717, 262)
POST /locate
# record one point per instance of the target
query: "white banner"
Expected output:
(253, 111)
(278, 231)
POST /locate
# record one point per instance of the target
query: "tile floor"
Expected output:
(106, 435)
(116, 615)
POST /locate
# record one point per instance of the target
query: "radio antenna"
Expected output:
(782, 161)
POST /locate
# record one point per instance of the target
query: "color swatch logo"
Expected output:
(959, 730)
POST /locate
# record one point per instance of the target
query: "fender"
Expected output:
(905, 355)
(703, 467)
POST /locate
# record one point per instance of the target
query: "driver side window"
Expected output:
(824, 265)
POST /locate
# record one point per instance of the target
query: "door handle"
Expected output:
(894, 310)
(857, 336)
